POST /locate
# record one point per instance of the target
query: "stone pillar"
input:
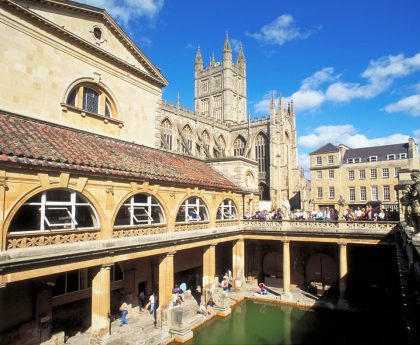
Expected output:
(166, 280)
(286, 266)
(101, 290)
(238, 263)
(209, 265)
(342, 303)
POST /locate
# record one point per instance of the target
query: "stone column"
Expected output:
(343, 274)
(101, 290)
(286, 266)
(238, 262)
(209, 265)
(166, 279)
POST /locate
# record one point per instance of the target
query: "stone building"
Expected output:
(260, 152)
(359, 176)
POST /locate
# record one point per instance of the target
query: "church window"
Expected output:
(52, 210)
(188, 135)
(227, 210)
(239, 146)
(218, 107)
(205, 107)
(166, 137)
(205, 86)
(261, 152)
(140, 209)
(264, 191)
(206, 140)
(217, 82)
(192, 210)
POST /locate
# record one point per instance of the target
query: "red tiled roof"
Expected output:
(31, 142)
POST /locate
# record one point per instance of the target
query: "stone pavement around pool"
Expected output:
(140, 329)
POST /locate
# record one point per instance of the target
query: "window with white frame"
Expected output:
(397, 171)
(387, 193)
(403, 155)
(330, 159)
(352, 194)
(319, 193)
(351, 174)
(319, 174)
(357, 160)
(331, 192)
(385, 172)
(373, 173)
(374, 191)
(192, 210)
(390, 157)
(318, 160)
(140, 209)
(362, 174)
(330, 174)
(55, 210)
(363, 195)
(373, 158)
(227, 210)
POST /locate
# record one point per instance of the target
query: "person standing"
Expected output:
(141, 300)
(124, 311)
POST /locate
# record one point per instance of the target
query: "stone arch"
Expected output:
(239, 145)
(227, 210)
(321, 268)
(184, 200)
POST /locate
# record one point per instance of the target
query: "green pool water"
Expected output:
(262, 323)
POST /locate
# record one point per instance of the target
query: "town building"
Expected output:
(341, 176)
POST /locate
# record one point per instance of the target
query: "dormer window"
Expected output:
(403, 155)
(373, 158)
(390, 157)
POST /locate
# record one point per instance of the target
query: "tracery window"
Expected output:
(166, 135)
(261, 152)
(239, 146)
(91, 98)
(192, 210)
(217, 113)
(227, 210)
(140, 209)
(206, 140)
(188, 135)
(55, 210)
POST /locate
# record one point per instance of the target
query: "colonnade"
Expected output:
(101, 281)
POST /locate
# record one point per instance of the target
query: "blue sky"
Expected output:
(351, 67)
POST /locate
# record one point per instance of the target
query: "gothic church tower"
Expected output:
(220, 88)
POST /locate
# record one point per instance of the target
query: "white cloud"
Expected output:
(280, 30)
(346, 134)
(125, 11)
(410, 105)
(304, 162)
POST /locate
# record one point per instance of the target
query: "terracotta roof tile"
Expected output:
(32, 142)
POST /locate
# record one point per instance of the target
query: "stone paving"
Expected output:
(140, 329)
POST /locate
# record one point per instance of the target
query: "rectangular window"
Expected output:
(318, 160)
(319, 174)
(319, 192)
(387, 193)
(397, 171)
(330, 159)
(357, 160)
(363, 193)
(403, 155)
(373, 173)
(331, 192)
(330, 174)
(385, 172)
(351, 174)
(390, 157)
(374, 191)
(373, 158)
(362, 174)
(350, 160)
(352, 194)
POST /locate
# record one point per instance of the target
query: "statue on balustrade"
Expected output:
(415, 201)
(286, 208)
(406, 203)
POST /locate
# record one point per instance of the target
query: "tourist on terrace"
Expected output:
(277, 215)
(124, 311)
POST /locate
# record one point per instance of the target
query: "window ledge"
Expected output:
(83, 113)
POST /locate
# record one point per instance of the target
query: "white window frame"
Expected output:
(194, 207)
(363, 193)
(387, 193)
(373, 173)
(397, 171)
(319, 192)
(331, 192)
(319, 174)
(360, 174)
(391, 157)
(374, 193)
(351, 175)
(331, 174)
(318, 160)
(352, 194)
(147, 206)
(330, 159)
(225, 210)
(373, 158)
(385, 172)
(403, 155)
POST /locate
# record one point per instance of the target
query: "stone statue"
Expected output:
(415, 201)
(406, 203)
(286, 208)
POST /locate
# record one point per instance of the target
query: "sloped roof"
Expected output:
(36, 143)
(328, 148)
(380, 151)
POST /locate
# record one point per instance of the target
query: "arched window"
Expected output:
(262, 152)
(140, 209)
(239, 146)
(206, 140)
(188, 135)
(192, 210)
(91, 98)
(227, 210)
(55, 209)
(166, 136)
(264, 191)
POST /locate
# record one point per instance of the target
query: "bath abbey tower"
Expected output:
(260, 154)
